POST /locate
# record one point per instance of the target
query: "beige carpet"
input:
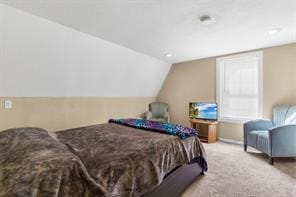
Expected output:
(233, 172)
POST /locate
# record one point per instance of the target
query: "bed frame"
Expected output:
(177, 181)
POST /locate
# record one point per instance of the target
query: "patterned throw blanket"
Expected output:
(167, 128)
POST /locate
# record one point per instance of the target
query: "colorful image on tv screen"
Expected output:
(203, 110)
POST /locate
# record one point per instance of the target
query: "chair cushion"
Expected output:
(252, 137)
(291, 115)
(158, 119)
(284, 114)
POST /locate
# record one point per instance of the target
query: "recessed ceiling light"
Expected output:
(206, 19)
(274, 31)
(168, 55)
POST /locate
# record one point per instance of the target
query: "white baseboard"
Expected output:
(230, 141)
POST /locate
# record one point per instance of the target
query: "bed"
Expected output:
(100, 160)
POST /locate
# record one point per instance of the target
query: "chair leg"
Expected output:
(245, 147)
(270, 160)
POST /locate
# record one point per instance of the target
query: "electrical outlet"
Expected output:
(7, 104)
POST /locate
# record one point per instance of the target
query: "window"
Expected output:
(239, 87)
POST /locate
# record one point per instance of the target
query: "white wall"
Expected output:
(42, 58)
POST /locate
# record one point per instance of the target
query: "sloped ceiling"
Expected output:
(40, 58)
(157, 27)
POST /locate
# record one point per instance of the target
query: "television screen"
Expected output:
(203, 110)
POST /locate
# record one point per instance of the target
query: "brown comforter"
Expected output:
(99, 160)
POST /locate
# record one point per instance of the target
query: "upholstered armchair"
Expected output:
(276, 138)
(158, 111)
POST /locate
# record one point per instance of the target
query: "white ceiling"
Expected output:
(157, 27)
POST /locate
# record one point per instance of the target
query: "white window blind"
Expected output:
(239, 87)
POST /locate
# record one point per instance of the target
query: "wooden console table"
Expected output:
(211, 136)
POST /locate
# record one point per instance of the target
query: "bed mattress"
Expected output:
(99, 160)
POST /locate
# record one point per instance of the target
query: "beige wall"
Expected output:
(63, 113)
(279, 73)
(189, 81)
(196, 81)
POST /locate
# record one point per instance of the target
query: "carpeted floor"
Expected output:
(235, 173)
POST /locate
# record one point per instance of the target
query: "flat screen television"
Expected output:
(203, 110)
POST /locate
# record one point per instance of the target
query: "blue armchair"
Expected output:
(158, 111)
(276, 138)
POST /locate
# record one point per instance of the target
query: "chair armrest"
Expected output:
(148, 115)
(279, 128)
(167, 116)
(256, 125)
(283, 141)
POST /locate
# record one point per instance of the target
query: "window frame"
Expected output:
(219, 60)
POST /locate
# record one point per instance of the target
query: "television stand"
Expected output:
(211, 136)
